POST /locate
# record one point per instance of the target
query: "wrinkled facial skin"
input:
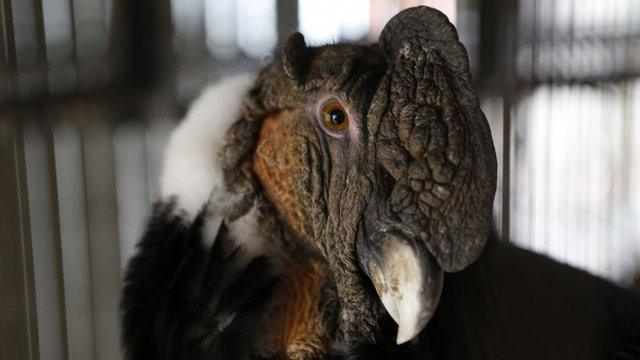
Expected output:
(319, 181)
(312, 178)
(416, 166)
(286, 146)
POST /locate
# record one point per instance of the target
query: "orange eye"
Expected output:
(334, 117)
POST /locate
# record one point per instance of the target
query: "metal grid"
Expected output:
(576, 130)
(90, 90)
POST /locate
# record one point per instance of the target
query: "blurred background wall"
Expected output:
(90, 89)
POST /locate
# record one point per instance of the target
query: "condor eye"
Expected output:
(334, 117)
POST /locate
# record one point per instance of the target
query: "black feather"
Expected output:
(181, 301)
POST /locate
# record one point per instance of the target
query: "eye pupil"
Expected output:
(336, 116)
(333, 118)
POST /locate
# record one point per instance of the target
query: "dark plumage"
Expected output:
(181, 301)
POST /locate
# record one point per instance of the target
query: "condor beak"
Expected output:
(406, 277)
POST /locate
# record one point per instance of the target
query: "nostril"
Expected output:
(387, 180)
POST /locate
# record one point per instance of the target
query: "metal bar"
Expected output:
(509, 96)
(552, 106)
(87, 214)
(9, 48)
(8, 40)
(104, 244)
(590, 80)
(16, 325)
(44, 238)
(53, 191)
(42, 44)
(27, 245)
(74, 235)
(74, 42)
(532, 173)
(506, 170)
(287, 12)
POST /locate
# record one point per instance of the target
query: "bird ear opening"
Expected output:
(296, 58)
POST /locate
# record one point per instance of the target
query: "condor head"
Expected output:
(381, 158)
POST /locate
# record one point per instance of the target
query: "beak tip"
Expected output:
(410, 328)
(405, 335)
(408, 282)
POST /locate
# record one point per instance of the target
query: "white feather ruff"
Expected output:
(192, 173)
